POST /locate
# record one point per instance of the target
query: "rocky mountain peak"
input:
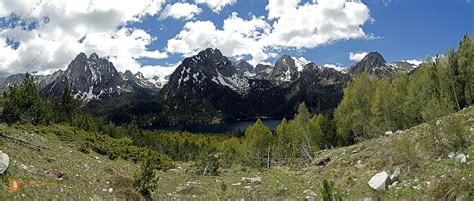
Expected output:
(374, 64)
(285, 70)
(374, 58)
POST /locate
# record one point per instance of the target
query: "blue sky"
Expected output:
(153, 36)
(406, 29)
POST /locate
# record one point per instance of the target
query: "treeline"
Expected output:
(439, 86)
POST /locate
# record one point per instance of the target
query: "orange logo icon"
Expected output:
(13, 184)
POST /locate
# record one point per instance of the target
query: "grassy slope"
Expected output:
(375, 156)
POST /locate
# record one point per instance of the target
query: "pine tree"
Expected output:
(23, 103)
(67, 109)
(146, 180)
(465, 62)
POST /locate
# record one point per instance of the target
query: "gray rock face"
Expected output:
(262, 71)
(244, 68)
(380, 181)
(4, 162)
(285, 70)
(207, 66)
(374, 64)
(90, 78)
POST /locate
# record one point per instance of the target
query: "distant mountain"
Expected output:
(244, 68)
(41, 81)
(262, 71)
(207, 86)
(208, 68)
(374, 64)
(284, 71)
(91, 78)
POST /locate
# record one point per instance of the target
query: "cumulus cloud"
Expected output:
(180, 10)
(237, 38)
(277, 8)
(65, 28)
(414, 62)
(216, 5)
(335, 67)
(357, 56)
(289, 24)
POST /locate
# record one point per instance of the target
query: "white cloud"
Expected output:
(414, 62)
(277, 8)
(239, 37)
(335, 67)
(216, 5)
(55, 42)
(290, 25)
(180, 10)
(357, 56)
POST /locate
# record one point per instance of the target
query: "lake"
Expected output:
(229, 127)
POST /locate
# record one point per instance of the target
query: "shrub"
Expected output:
(403, 152)
(329, 192)
(455, 133)
(146, 180)
(123, 188)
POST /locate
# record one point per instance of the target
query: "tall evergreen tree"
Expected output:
(67, 108)
(23, 103)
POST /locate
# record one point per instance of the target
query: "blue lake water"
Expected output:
(229, 127)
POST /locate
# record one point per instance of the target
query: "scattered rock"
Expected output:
(309, 192)
(358, 164)
(367, 199)
(417, 187)
(451, 154)
(380, 181)
(388, 133)
(396, 173)
(323, 162)
(4, 162)
(248, 188)
(252, 180)
(310, 198)
(236, 184)
(461, 158)
(438, 122)
(111, 190)
(398, 132)
(393, 185)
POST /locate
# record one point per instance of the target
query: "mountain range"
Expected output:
(206, 87)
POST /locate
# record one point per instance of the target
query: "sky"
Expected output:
(154, 36)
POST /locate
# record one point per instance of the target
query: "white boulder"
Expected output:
(388, 133)
(398, 132)
(380, 181)
(4, 162)
(461, 158)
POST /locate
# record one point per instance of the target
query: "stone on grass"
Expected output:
(393, 185)
(252, 180)
(380, 181)
(451, 154)
(461, 158)
(4, 162)
(388, 133)
(396, 173)
(398, 132)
